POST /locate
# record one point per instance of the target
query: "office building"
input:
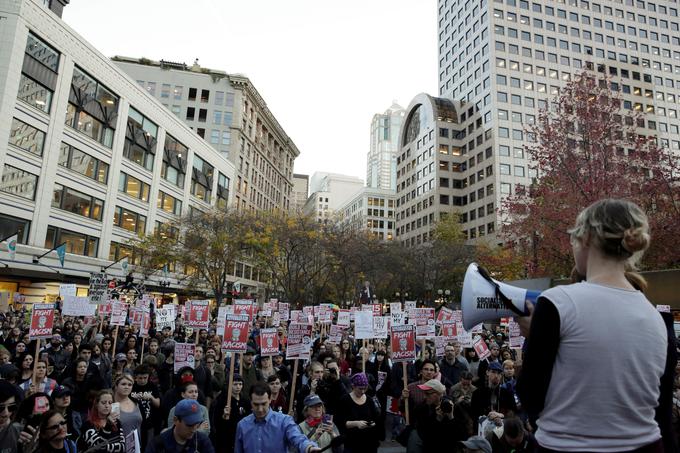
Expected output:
(370, 210)
(229, 113)
(509, 58)
(381, 167)
(328, 193)
(300, 191)
(90, 160)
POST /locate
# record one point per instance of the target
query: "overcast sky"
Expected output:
(324, 68)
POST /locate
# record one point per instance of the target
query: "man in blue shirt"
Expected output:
(267, 431)
(183, 436)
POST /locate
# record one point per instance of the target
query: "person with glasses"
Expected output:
(101, 431)
(9, 404)
(54, 434)
(183, 435)
(217, 372)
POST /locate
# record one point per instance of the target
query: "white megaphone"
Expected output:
(486, 299)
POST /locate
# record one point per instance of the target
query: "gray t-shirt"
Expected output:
(605, 381)
(130, 421)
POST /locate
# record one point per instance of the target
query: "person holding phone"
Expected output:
(101, 431)
(317, 425)
(357, 417)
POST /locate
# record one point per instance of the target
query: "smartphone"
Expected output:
(115, 408)
(327, 419)
(41, 405)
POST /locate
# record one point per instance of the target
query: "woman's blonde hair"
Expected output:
(618, 228)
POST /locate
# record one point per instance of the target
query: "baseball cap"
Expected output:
(495, 366)
(477, 443)
(250, 350)
(312, 400)
(189, 411)
(121, 357)
(433, 384)
(61, 390)
(56, 337)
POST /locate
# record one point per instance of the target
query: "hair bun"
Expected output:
(635, 239)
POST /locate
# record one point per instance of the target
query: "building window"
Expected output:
(505, 188)
(140, 139)
(504, 169)
(19, 182)
(165, 91)
(77, 202)
(192, 94)
(26, 137)
(226, 137)
(219, 97)
(215, 137)
(117, 251)
(201, 179)
(129, 220)
(227, 118)
(83, 163)
(34, 94)
(205, 95)
(168, 203)
(76, 243)
(174, 161)
(222, 191)
(92, 109)
(230, 100)
(10, 225)
(133, 187)
(42, 53)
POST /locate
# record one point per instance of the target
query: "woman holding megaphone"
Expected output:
(586, 394)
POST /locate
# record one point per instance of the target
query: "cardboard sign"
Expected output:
(377, 309)
(104, 310)
(276, 319)
(464, 337)
(516, 338)
(269, 342)
(440, 345)
(398, 318)
(235, 337)
(244, 307)
(481, 348)
(344, 318)
(444, 314)
(299, 341)
(449, 331)
(67, 289)
(42, 321)
(363, 325)
(118, 314)
(395, 307)
(222, 313)
(284, 310)
(184, 355)
(423, 319)
(199, 314)
(77, 306)
(409, 305)
(335, 335)
(403, 340)
(325, 314)
(98, 287)
(380, 326)
(165, 317)
(663, 308)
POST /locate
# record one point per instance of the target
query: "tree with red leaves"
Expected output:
(586, 146)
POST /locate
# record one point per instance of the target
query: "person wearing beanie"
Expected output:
(357, 417)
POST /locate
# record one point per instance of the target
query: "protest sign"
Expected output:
(363, 325)
(464, 337)
(235, 337)
(335, 335)
(398, 318)
(344, 318)
(222, 313)
(269, 342)
(325, 314)
(298, 317)
(165, 317)
(423, 319)
(308, 310)
(380, 326)
(104, 310)
(67, 289)
(440, 345)
(377, 309)
(276, 319)
(118, 313)
(395, 307)
(663, 308)
(449, 331)
(77, 306)
(4, 301)
(403, 340)
(481, 348)
(409, 305)
(184, 355)
(244, 307)
(299, 341)
(516, 338)
(42, 321)
(284, 310)
(444, 314)
(145, 323)
(98, 288)
(199, 314)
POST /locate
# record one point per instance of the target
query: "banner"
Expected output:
(235, 337)
(77, 306)
(403, 340)
(118, 314)
(380, 326)
(165, 317)
(42, 321)
(481, 348)
(449, 331)
(184, 355)
(363, 325)
(12, 246)
(199, 314)
(61, 253)
(98, 288)
(299, 341)
(269, 342)
(344, 318)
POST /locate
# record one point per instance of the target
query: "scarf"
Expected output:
(313, 422)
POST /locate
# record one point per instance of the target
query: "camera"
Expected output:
(446, 406)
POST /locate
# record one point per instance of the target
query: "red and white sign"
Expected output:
(481, 348)
(235, 337)
(184, 355)
(298, 317)
(42, 321)
(269, 342)
(444, 314)
(144, 323)
(516, 338)
(423, 319)
(377, 310)
(284, 309)
(464, 337)
(299, 341)
(199, 314)
(118, 313)
(325, 314)
(403, 340)
(440, 345)
(335, 335)
(244, 307)
(449, 331)
(344, 318)
(309, 310)
(105, 310)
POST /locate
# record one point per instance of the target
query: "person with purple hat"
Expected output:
(357, 416)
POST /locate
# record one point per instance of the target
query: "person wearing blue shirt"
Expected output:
(265, 430)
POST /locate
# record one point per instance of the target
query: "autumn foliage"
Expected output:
(587, 147)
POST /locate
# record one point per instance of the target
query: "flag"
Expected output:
(12, 246)
(61, 253)
(124, 264)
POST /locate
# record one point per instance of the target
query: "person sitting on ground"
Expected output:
(515, 438)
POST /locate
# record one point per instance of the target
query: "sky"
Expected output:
(323, 68)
